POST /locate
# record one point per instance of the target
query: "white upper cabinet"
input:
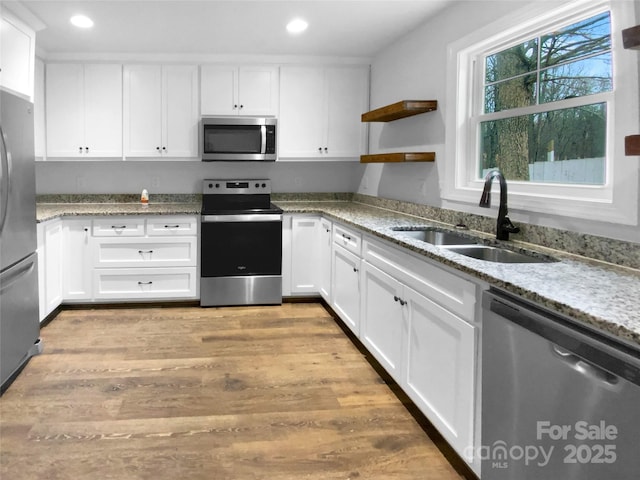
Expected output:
(17, 53)
(233, 90)
(320, 110)
(84, 110)
(161, 111)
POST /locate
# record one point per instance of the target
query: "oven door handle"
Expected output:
(260, 217)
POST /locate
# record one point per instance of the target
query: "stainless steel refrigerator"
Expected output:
(19, 319)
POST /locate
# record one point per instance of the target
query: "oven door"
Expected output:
(241, 245)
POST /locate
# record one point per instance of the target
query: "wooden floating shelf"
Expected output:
(398, 157)
(632, 145)
(631, 37)
(405, 108)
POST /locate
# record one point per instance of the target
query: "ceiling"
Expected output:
(220, 27)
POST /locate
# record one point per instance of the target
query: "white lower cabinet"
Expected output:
(85, 259)
(305, 258)
(50, 266)
(439, 372)
(383, 328)
(76, 259)
(144, 283)
(345, 288)
(325, 241)
(136, 258)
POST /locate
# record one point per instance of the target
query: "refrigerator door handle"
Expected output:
(14, 274)
(5, 174)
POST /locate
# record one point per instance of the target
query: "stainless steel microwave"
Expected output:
(235, 139)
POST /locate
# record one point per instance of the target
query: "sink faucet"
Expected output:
(504, 226)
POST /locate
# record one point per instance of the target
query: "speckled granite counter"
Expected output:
(49, 211)
(596, 293)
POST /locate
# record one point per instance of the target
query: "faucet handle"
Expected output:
(508, 226)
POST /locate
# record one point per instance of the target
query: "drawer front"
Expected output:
(172, 226)
(347, 238)
(144, 283)
(447, 289)
(118, 227)
(158, 252)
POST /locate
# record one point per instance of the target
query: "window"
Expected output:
(543, 139)
(547, 97)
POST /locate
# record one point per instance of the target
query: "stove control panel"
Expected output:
(239, 187)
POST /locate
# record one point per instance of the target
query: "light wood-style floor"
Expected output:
(218, 393)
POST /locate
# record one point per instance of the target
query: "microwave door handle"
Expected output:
(263, 133)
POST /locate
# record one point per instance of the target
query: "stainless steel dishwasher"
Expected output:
(560, 400)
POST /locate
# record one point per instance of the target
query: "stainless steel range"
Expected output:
(241, 244)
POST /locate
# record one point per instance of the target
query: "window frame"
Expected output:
(617, 200)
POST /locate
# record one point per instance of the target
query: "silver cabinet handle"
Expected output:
(141, 252)
(118, 227)
(172, 226)
(145, 283)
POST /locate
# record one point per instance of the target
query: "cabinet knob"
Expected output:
(241, 106)
(86, 149)
(158, 148)
(79, 149)
(396, 298)
(164, 149)
(355, 269)
(235, 106)
(326, 150)
(320, 149)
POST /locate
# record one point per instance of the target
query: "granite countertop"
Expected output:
(49, 211)
(599, 294)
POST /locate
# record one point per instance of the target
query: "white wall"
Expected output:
(415, 68)
(186, 177)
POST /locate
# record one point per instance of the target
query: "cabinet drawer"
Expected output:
(347, 238)
(172, 226)
(142, 283)
(118, 227)
(447, 289)
(156, 252)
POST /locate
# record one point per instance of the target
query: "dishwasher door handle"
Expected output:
(585, 367)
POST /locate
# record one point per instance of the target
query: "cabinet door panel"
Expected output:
(325, 240)
(347, 99)
(64, 110)
(76, 259)
(302, 122)
(17, 47)
(304, 255)
(218, 90)
(103, 110)
(346, 287)
(441, 368)
(142, 110)
(180, 111)
(258, 90)
(53, 265)
(382, 323)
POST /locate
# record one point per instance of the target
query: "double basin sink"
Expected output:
(469, 246)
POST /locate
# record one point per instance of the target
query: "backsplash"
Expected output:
(118, 198)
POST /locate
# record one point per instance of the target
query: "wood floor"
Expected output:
(217, 393)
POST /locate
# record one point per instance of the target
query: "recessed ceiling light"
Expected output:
(297, 25)
(81, 21)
